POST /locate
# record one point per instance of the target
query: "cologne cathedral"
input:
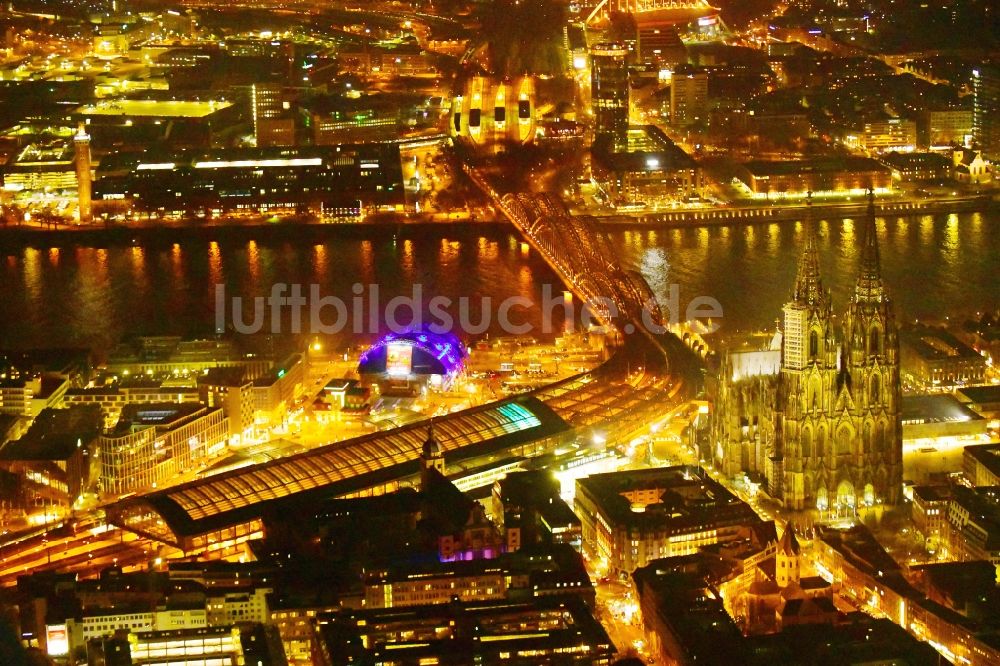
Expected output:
(816, 418)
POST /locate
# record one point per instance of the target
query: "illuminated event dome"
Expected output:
(420, 352)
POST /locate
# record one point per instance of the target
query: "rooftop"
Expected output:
(56, 434)
(762, 168)
(980, 395)
(959, 580)
(236, 496)
(983, 505)
(861, 640)
(858, 547)
(915, 160)
(987, 455)
(932, 493)
(649, 149)
(558, 559)
(460, 631)
(163, 414)
(57, 360)
(932, 342)
(679, 589)
(369, 156)
(939, 408)
(154, 108)
(686, 495)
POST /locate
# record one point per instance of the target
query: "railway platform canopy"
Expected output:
(227, 508)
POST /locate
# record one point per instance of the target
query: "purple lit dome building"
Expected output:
(402, 363)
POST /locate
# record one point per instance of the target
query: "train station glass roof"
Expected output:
(232, 497)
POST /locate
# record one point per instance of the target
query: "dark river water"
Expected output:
(96, 296)
(933, 266)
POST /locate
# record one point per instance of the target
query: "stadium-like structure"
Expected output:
(414, 352)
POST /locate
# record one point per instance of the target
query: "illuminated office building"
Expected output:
(549, 630)
(883, 136)
(631, 518)
(945, 127)
(112, 399)
(242, 644)
(986, 109)
(688, 96)
(273, 122)
(153, 443)
(41, 168)
(335, 181)
(652, 171)
(609, 93)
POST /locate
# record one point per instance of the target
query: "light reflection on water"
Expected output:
(96, 296)
(934, 266)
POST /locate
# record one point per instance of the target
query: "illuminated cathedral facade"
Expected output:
(816, 418)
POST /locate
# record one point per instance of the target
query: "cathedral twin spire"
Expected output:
(808, 284)
(869, 287)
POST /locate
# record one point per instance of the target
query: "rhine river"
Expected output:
(96, 296)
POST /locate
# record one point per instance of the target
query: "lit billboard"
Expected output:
(57, 639)
(398, 358)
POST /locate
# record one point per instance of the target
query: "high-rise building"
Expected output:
(883, 136)
(986, 109)
(688, 95)
(609, 92)
(944, 127)
(81, 145)
(824, 430)
(273, 123)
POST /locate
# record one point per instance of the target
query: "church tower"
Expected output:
(786, 559)
(869, 431)
(808, 373)
(432, 457)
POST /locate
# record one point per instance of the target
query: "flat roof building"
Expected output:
(112, 399)
(153, 443)
(984, 400)
(521, 576)
(933, 416)
(974, 524)
(154, 108)
(981, 464)
(334, 181)
(529, 510)
(933, 357)
(28, 396)
(54, 460)
(650, 169)
(168, 355)
(41, 168)
(543, 631)
(631, 518)
(820, 175)
(117, 124)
